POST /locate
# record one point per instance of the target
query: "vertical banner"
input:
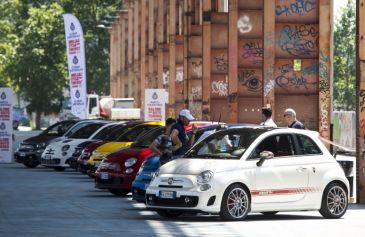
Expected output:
(76, 65)
(155, 104)
(6, 124)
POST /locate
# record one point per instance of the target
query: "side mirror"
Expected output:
(263, 156)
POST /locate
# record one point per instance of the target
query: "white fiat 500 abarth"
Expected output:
(253, 169)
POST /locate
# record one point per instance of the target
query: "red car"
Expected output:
(85, 153)
(119, 169)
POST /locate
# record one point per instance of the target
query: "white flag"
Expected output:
(6, 124)
(76, 65)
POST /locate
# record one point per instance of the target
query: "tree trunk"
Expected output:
(38, 120)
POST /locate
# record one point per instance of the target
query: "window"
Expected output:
(86, 131)
(225, 144)
(279, 145)
(307, 146)
(133, 133)
(58, 129)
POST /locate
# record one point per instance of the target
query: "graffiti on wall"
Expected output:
(197, 68)
(196, 92)
(252, 51)
(299, 7)
(299, 40)
(220, 62)
(179, 74)
(249, 79)
(166, 77)
(244, 24)
(362, 100)
(287, 78)
(220, 88)
(269, 87)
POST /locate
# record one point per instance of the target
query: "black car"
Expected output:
(30, 150)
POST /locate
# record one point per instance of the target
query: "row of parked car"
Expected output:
(231, 172)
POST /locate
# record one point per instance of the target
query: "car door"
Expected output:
(283, 178)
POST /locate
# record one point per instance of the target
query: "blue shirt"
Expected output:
(296, 124)
(182, 136)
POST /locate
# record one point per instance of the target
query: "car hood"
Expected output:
(126, 153)
(112, 146)
(187, 166)
(38, 139)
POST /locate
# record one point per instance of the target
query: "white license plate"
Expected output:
(167, 194)
(48, 157)
(104, 176)
(22, 154)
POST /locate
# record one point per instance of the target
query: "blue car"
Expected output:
(152, 164)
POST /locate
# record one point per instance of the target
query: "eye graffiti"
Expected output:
(248, 79)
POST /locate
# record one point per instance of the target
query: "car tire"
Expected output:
(59, 168)
(269, 213)
(334, 201)
(169, 214)
(119, 192)
(235, 204)
(31, 164)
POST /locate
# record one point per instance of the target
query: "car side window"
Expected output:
(307, 146)
(279, 145)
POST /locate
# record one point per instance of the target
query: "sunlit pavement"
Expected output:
(43, 202)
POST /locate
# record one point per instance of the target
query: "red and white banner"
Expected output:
(155, 104)
(76, 64)
(6, 124)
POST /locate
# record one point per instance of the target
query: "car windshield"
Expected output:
(147, 139)
(58, 129)
(86, 131)
(227, 144)
(133, 133)
(116, 132)
(103, 133)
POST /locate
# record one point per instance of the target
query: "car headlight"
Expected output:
(130, 162)
(205, 177)
(41, 145)
(65, 147)
(85, 153)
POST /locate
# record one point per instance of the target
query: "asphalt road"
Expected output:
(43, 202)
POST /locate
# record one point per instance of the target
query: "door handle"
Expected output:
(301, 169)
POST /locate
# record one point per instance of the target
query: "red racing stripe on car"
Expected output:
(288, 191)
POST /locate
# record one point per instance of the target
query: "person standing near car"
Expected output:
(178, 135)
(162, 145)
(291, 119)
(267, 117)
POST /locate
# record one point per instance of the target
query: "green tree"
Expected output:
(344, 61)
(33, 52)
(38, 68)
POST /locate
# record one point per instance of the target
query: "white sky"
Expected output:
(338, 4)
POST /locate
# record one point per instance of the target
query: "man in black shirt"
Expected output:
(181, 142)
(291, 119)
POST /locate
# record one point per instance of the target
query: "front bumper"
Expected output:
(185, 196)
(107, 180)
(27, 156)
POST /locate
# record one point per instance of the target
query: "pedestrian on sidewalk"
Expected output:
(267, 117)
(291, 119)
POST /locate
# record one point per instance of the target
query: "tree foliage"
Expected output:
(344, 61)
(33, 51)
